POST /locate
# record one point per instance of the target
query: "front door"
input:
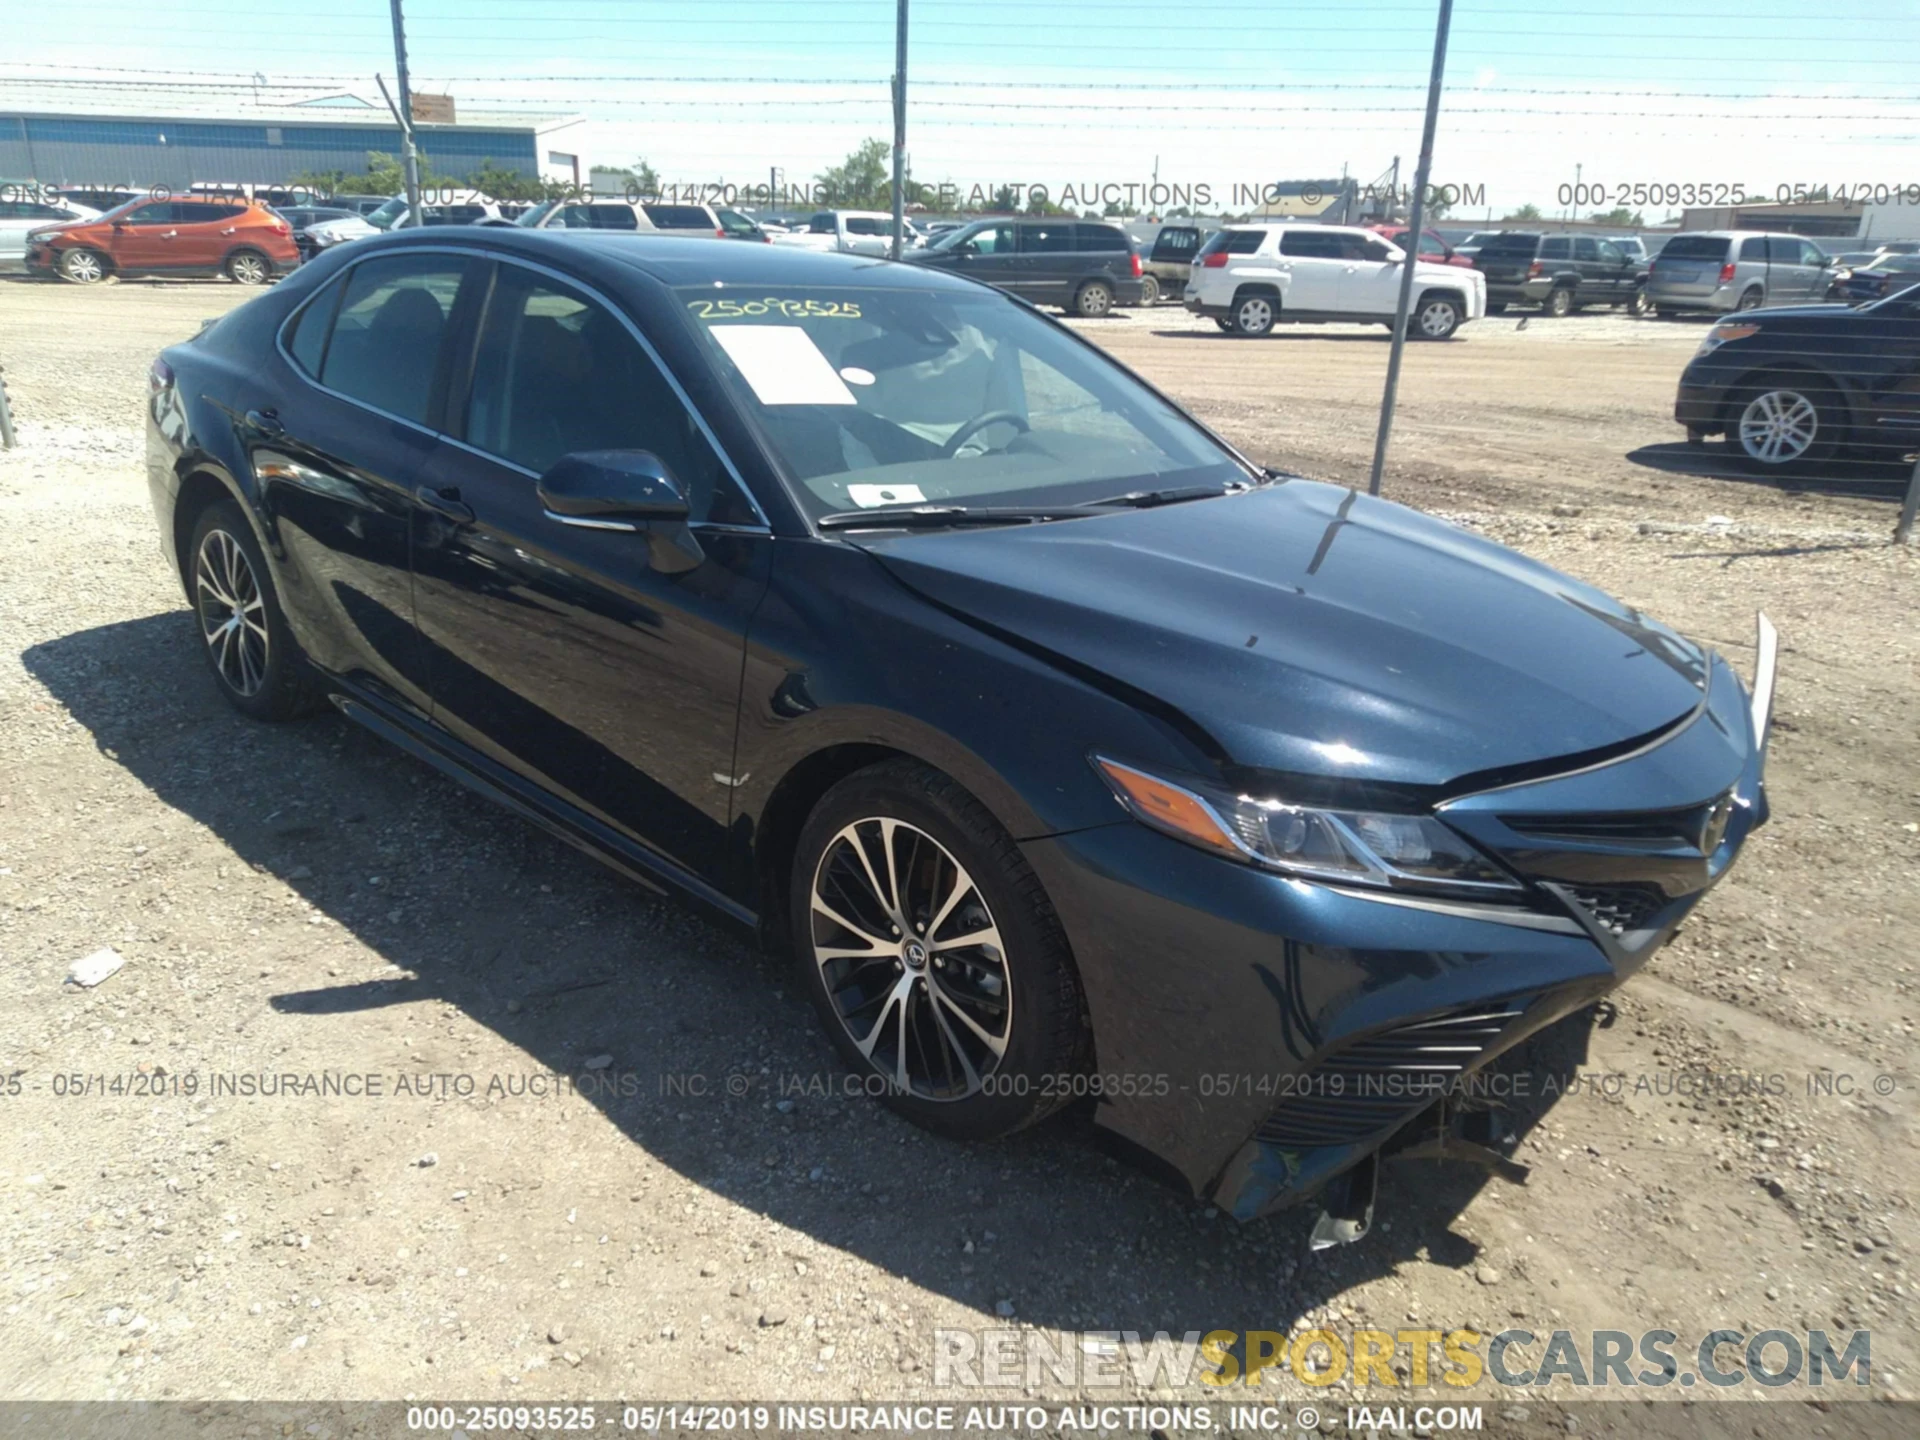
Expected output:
(143, 238)
(991, 255)
(571, 654)
(1370, 276)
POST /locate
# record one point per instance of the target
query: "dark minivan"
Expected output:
(1083, 267)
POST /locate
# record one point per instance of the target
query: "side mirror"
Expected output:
(624, 490)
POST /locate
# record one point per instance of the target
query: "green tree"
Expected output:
(1438, 204)
(1524, 214)
(1619, 215)
(1114, 211)
(864, 178)
(1005, 200)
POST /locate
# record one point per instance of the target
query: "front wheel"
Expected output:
(1093, 300)
(1785, 422)
(1149, 292)
(1437, 319)
(83, 266)
(254, 658)
(933, 955)
(1223, 323)
(1253, 315)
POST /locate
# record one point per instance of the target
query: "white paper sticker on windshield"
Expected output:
(783, 365)
(868, 496)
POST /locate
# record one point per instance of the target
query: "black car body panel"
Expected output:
(678, 721)
(1865, 360)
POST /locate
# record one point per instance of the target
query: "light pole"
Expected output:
(899, 127)
(1411, 259)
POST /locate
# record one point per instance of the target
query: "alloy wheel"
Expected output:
(247, 269)
(1779, 426)
(83, 267)
(233, 618)
(911, 958)
(1437, 320)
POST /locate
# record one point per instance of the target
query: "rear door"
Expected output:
(560, 651)
(1795, 273)
(1050, 265)
(343, 452)
(1314, 263)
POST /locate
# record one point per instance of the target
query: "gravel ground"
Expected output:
(706, 1222)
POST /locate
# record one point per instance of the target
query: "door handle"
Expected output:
(231, 230)
(171, 235)
(267, 422)
(445, 503)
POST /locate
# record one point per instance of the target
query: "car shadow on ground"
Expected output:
(566, 961)
(1869, 478)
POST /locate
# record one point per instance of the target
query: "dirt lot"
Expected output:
(304, 899)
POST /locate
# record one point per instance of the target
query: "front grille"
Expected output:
(1695, 828)
(1621, 909)
(1379, 1082)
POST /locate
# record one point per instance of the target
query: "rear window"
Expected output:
(1510, 243)
(1234, 242)
(1695, 247)
(1099, 237)
(679, 217)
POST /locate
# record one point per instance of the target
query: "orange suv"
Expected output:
(240, 239)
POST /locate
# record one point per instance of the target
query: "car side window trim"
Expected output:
(463, 370)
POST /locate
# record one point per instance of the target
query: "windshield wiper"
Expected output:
(1147, 499)
(906, 517)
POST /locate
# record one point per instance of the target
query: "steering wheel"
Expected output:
(980, 422)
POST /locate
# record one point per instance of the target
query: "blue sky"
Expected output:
(1762, 93)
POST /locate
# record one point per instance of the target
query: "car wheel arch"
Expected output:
(203, 484)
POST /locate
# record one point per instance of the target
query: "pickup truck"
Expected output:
(856, 232)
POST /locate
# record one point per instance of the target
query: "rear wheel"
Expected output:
(1638, 304)
(1093, 300)
(1751, 299)
(1559, 302)
(254, 657)
(1785, 421)
(83, 266)
(1149, 292)
(1253, 314)
(933, 954)
(248, 267)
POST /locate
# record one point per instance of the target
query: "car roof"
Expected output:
(677, 262)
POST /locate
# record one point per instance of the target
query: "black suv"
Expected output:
(1084, 267)
(1560, 273)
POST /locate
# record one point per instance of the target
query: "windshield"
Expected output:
(873, 397)
(538, 213)
(384, 217)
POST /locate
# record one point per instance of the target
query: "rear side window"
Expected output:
(1754, 249)
(1236, 242)
(386, 342)
(1101, 238)
(1510, 243)
(1046, 239)
(1696, 247)
(307, 339)
(1313, 244)
(1556, 247)
(681, 217)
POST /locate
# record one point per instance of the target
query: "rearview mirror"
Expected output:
(611, 490)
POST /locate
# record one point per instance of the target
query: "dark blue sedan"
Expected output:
(1072, 755)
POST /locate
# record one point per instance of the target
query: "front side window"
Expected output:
(386, 341)
(887, 396)
(867, 225)
(155, 212)
(991, 240)
(556, 373)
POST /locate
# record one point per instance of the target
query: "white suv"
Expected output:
(1249, 278)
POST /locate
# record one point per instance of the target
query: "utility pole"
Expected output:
(899, 128)
(1411, 259)
(409, 153)
(1902, 529)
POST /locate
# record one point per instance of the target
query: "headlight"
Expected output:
(1721, 334)
(1353, 847)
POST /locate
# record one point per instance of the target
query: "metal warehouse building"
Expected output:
(115, 134)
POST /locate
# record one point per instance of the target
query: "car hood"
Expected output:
(1310, 629)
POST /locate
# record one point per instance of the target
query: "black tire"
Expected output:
(1437, 317)
(1224, 323)
(83, 265)
(1149, 292)
(1253, 315)
(1093, 300)
(1809, 422)
(276, 683)
(1041, 1020)
(248, 267)
(1638, 304)
(1752, 298)
(1559, 302)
